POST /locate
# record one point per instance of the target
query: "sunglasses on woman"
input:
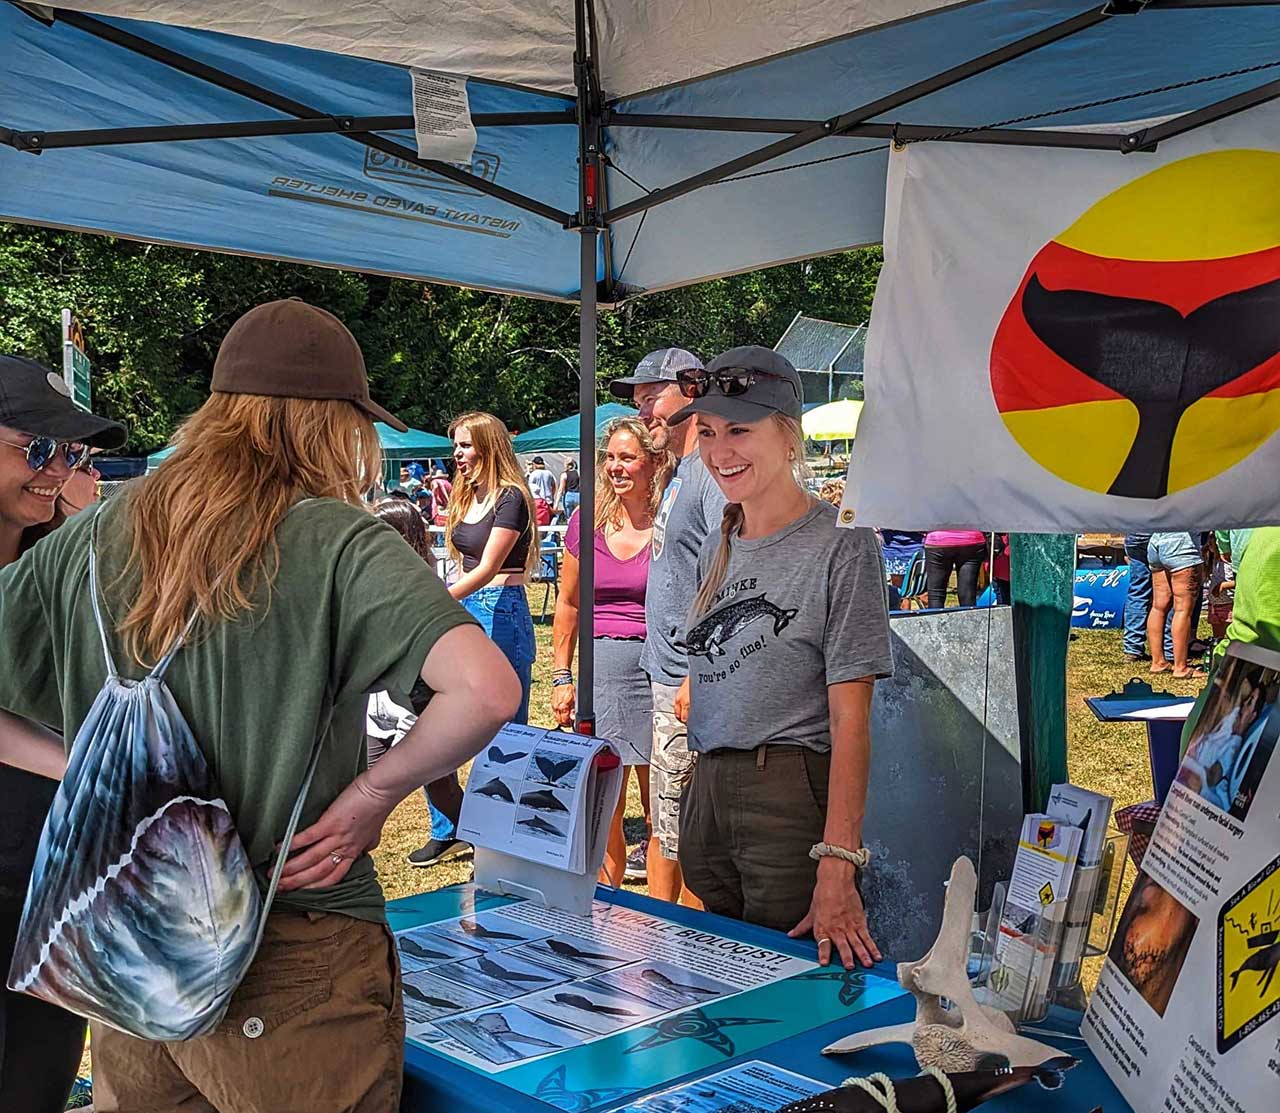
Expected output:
(40, 452)
(731, 381)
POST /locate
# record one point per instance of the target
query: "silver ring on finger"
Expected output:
(336, 859)
(824, 939)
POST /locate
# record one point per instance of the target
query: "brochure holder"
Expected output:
(555, 888)
(1033, 974)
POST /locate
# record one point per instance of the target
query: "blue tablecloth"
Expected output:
(437, 1084)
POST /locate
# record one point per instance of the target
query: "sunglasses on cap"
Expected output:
(40, 452)
(730, 381)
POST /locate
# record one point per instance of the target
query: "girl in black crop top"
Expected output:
(489, 533)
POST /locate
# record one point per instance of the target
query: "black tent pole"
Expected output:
(589, 183)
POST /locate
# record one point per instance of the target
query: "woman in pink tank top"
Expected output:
(631, 474)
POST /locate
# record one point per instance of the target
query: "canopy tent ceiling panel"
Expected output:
(641, 45)
(827, 203)
(334, 200)
(313, 198)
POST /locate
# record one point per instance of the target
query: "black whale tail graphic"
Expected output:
(782, 619)
(1156, 358)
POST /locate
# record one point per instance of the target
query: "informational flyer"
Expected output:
(1186, 1015)
(755, 1087)
(539, 795)
(500, 987)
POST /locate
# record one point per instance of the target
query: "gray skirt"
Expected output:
(623, 699)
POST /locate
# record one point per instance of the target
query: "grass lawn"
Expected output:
(1109, 758)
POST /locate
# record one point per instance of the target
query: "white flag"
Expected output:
(1065, 340)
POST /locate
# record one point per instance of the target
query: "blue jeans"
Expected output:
(572, 499)
(503, 613)
(1137, 604)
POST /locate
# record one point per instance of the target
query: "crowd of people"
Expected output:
(737, 637)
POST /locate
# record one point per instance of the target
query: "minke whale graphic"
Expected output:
(411, 990)
(567, 950)
(537, 823)
(543, 800)
(1156, 358)
(497, 789)
(707, 638)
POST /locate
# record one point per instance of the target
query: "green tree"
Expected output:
(154, 317)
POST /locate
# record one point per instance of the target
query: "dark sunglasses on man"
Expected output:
(40, 452)
(731, 381)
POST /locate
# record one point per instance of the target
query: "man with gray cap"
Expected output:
(691, 508)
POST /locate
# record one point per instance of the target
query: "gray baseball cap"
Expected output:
(657, 367)
(776, 389)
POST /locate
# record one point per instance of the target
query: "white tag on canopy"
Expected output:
(442, 117)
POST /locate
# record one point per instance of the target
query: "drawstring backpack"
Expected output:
(143, 912)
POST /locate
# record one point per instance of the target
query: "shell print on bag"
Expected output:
(143, 911)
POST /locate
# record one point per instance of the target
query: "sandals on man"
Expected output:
(1190, 674)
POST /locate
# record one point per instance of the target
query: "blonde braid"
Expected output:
(730, 523)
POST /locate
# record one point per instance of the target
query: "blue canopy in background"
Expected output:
(563, 435)
(623, 146)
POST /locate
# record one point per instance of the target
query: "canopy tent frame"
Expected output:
(591, 115)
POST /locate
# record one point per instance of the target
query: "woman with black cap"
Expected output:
(790, 630)
(251, 554)
(45, 477)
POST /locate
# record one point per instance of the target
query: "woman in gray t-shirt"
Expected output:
(789, 631)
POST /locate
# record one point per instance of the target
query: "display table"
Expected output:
(785, 1022)
(1164, 714)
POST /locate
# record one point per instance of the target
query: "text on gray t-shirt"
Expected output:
(800, 609)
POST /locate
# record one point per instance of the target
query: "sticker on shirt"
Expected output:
(709, 637)
(669, 497)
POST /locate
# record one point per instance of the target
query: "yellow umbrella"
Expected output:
(836, 421)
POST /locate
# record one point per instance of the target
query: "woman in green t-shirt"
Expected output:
(304, 603)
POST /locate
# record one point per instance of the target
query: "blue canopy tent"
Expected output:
(623, 146)
(563, 435)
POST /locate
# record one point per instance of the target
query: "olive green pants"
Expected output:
(747, 821)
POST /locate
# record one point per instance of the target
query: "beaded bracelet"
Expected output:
(561, 681)
(860, 857)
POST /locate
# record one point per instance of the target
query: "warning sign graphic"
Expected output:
(1248, 957)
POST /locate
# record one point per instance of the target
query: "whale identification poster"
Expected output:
(1186, 1015)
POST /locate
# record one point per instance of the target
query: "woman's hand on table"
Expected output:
(321, 855)
(563, 701)
(836, 917)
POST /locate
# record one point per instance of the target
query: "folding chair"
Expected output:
(914, 588)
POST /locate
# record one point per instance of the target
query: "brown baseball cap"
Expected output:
(289, 349)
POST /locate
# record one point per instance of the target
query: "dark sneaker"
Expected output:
(635, 870)
(438, 850)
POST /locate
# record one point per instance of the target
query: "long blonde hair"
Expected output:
(731, 521)
(608, 504)
(203, 525)
(497, 468)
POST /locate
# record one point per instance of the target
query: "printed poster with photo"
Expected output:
(1186, 1015)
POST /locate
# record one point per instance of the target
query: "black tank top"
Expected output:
(571, 480)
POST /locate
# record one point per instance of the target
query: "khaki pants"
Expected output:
(316, 1025)
(747, 822)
